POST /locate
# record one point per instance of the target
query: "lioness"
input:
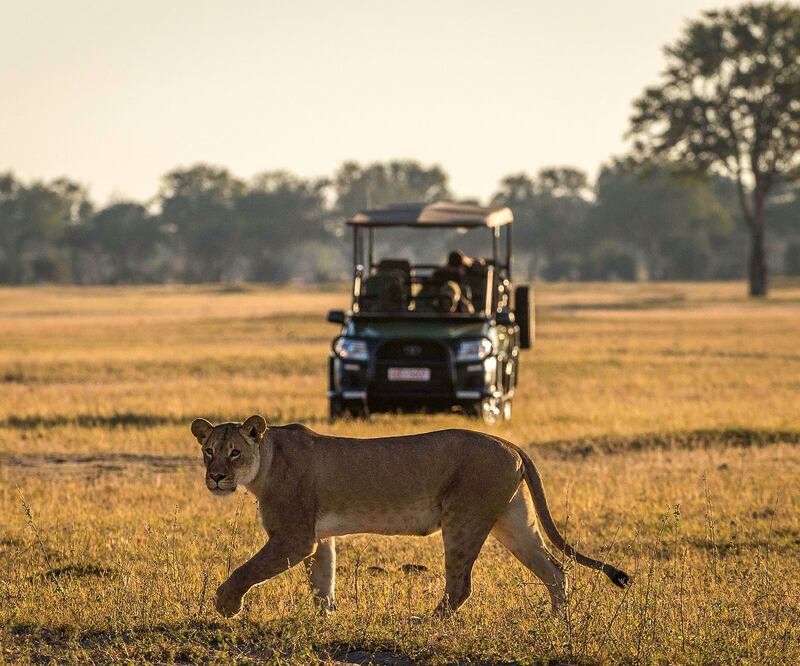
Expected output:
(312, 488)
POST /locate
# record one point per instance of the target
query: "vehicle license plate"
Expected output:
(409, 374)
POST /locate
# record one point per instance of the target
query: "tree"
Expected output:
(33, 220)
(729, 102)
(277, 211)
(379, 184)
(198, 205)
(127, 237)
(549, 216)
(400, 181)
(680, 227)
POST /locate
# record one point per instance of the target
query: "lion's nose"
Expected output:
(217, 477)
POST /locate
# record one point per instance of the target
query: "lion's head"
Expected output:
(230, 452)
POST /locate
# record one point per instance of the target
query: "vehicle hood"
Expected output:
(407, 328)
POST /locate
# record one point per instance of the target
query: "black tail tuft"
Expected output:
(619, 578)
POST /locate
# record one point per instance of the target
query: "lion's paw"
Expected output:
(228, 602)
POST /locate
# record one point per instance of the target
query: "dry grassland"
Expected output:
(665, 420)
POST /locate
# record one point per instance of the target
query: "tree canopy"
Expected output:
(207, 224)
(729, 102)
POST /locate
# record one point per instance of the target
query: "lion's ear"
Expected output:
(254, 427)
(201, 429)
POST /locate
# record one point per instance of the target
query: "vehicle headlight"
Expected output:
(354, 350)
(474, 350)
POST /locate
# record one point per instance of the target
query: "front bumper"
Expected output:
(450, 382)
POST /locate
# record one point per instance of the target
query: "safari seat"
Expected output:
(402, 266)
(384, 292)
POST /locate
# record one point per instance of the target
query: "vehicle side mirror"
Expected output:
(336, 316)
(504, 318)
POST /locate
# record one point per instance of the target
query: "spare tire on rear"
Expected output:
(523, 314)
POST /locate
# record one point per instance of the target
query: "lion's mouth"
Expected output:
(217, 490)
(221, 487)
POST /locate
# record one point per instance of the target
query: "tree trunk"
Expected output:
(757, 272)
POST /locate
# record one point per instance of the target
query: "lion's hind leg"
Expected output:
(462, 544)
(516, 529)
(321, 568)
(467, 519)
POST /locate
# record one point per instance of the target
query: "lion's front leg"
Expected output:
(321, 567)
(276, 557)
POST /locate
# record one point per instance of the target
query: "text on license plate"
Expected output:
(409, 374)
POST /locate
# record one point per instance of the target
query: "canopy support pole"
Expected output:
(356, 247)
(508, 251)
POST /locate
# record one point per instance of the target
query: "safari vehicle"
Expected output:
(425, 336)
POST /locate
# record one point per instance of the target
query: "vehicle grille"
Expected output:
(414, 351)
(412, 354)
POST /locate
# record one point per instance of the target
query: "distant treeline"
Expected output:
(207, 225)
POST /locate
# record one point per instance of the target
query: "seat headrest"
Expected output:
(403, 265)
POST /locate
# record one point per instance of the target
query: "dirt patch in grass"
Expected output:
(121, 420)
(94, 464)
(91, 421)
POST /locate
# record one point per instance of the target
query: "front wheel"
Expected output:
(487, 410)
(357, 409)
(491, 411)
(335, 409)
(506, 410)
(341, 409)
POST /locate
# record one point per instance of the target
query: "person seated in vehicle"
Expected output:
(458, 264)
(475, 279)
(451, 298)
(444, 290)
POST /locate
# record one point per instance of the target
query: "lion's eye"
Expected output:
(235, 453)
(209, 451)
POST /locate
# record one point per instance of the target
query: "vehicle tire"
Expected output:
(335, 409)
(487, 410)
(357, 409)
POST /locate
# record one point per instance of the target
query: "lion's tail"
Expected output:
(534, 481)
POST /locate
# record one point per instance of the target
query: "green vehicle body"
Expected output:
(412, 358)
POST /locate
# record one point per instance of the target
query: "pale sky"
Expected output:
(115, 93)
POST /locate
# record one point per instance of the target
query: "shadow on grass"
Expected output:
(633, 304)
(189, 642)
(680, 440)
(195, 641)
(746, 356)
(75, 571)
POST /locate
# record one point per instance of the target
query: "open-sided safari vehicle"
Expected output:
(430, 337)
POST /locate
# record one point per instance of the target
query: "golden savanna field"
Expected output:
(665, 420)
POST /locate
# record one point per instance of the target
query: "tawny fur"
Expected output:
(312, 488)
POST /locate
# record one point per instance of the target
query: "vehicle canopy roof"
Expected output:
(439, 214)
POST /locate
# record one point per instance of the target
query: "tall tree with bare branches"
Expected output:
(729, 102)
